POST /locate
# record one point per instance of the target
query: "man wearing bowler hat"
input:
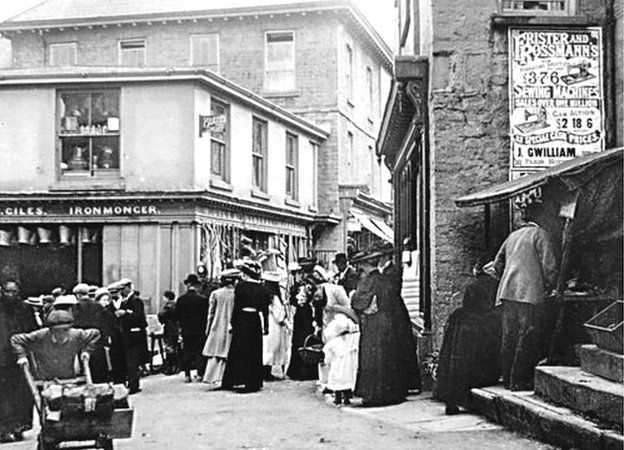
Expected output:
(191, 310)
(347, 275)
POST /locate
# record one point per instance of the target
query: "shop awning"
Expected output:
(510, 189)
(375, 226)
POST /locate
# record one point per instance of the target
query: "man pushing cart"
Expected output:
(70, 408)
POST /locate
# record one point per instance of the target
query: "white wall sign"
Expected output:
(556, 97)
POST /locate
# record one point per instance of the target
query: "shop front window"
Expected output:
(88, 132)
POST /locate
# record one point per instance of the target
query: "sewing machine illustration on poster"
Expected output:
(533, 120)
(577, 73)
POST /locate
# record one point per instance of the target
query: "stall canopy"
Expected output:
(583, 167)
(375, 226)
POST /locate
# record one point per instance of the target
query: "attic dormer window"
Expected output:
(538, 7)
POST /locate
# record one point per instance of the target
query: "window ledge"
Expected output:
(256, 193)
(292, 202)
(312, 209)
(514, 18)
(88, 184)
(221, 185)
(278, 94)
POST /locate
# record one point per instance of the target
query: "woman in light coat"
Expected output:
(276, 345)
(221, 305)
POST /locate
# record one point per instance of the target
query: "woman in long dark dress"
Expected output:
(469, 356)
(302, 327)
(244, 361)
(388, 365)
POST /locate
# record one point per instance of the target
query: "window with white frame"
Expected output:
(349, 73)
(88, 132)
(62, 54)
(259, 154)
(315, 156)
(543, 7)
(292, 163)
(369, 91)
(219, 137)
(205, 51)
(279, 62)
(132, 53)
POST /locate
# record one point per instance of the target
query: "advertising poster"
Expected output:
(556, 97)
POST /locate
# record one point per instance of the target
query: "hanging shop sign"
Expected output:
(556, 97)
(212, 124)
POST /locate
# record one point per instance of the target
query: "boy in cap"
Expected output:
(55, 347)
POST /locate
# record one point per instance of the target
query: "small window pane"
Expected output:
(132, 53)
(62, 54)
(75, 154)
(105, 153)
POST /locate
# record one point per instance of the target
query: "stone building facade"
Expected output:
(446, 129)
(329, 66)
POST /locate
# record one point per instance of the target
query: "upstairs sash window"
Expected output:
(279, 66)
(259, 154)
(62, 54)
(132, 53)
(205, 51)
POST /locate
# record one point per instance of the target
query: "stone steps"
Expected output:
(580, 391)
(603, 363)
(528, 413)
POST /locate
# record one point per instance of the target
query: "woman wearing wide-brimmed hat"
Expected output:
(244, 361)
(388, 365)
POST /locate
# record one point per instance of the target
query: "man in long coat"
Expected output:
(133, 323)
(527, 268)
(191, 310)
(16, 403)
(388, 365)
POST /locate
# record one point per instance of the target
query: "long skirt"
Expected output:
(244, 362)
(215, 368)
(387, 366)
(16, 402)
(469, 356)
(302, 328)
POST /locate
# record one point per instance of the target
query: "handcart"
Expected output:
(87, 426)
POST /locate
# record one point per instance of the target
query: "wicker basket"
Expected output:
(312, 350)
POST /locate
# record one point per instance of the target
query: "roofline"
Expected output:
(10, 25)
(91, 75)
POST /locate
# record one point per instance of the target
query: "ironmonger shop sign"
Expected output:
(556, 97)
(86, 209)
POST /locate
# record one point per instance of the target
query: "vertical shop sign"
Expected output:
(556, 97)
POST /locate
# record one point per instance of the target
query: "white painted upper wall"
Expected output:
(160, 145)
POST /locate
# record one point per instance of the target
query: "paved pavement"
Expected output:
(292, 415)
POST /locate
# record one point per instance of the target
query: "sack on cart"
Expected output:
(70, 400)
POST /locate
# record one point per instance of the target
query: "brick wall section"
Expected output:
(469, 129)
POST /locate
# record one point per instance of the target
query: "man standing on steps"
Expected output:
(191, 310)
(527, 269)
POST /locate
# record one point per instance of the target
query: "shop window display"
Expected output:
(89, 132)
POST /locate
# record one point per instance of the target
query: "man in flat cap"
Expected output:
(191, 310)
(133, 322)
(90, 314)
(55, 347)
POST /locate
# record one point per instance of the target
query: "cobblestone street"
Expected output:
(170, 414)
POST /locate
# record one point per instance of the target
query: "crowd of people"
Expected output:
(253, 327)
